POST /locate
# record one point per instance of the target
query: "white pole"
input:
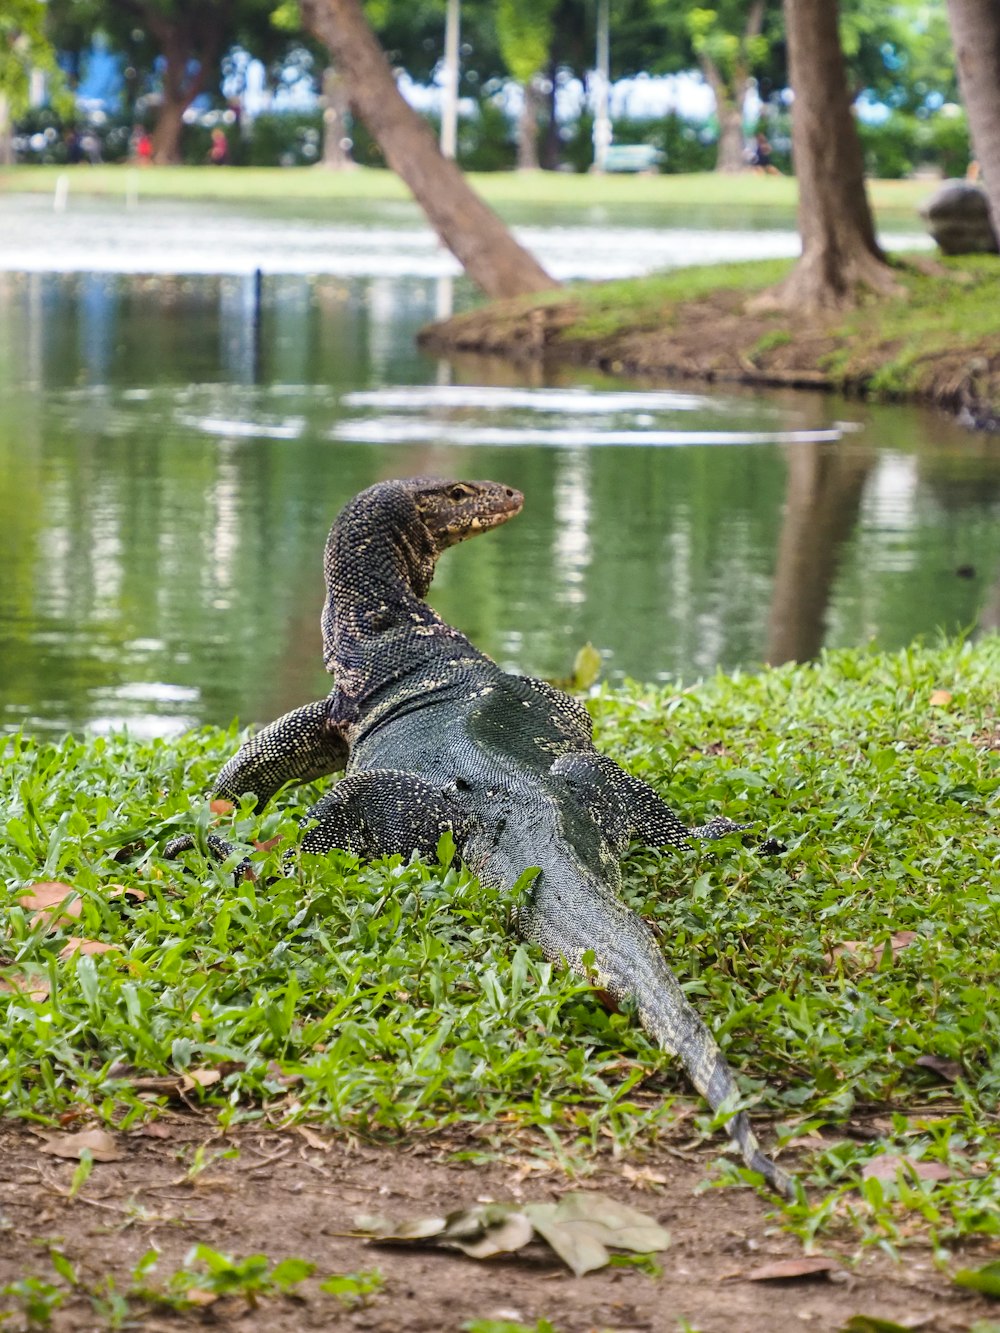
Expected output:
(61, 193)
(602, 90)
(449, 94)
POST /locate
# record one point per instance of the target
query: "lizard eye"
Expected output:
(459, 492)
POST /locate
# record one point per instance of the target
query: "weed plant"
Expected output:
(851, 978)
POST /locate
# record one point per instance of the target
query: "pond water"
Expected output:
(172, 455)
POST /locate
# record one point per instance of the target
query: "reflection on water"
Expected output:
(172, 453)
(164, 236)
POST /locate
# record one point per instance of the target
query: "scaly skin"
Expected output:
(434, 737)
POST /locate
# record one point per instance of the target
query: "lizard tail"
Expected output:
(629, 966)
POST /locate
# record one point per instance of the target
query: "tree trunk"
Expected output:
(841, 259)
(479, 240)
(527, 128)
(6, 133)
(975, 30)
(167, 132)
(729, 114)
(548, 153)
(822, 502)
(336, 157)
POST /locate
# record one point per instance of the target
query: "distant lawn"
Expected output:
(894, 201)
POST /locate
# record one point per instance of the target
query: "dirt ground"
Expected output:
(297, 1193)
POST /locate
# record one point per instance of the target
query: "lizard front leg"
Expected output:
(375, 813)
(300, 746)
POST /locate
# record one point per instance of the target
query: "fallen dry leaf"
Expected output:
(886, 1165)
(221, 807)
(266, 846)
(950, 1070)
(312, 1139)
(31, 985)
(939, 698)
(101, 1144)
(155, 1129)
(643, 1177)
(198, 1296)
(786, 1270)
(77, 945)
(868, 954)
(199, 1078)
(127, 890)
(52, 900)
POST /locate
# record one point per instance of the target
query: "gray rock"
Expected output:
(958, 217)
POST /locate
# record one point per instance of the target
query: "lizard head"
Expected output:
(454, 510)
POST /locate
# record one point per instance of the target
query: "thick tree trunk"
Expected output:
(527, 128)
(336, 105)
(479, 240)
(822, 502)
(167, 131)
(975, 30)
(841, 259)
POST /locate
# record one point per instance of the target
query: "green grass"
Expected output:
(894, 201)
(391, 998)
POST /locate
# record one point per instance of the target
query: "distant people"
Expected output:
(142, 146)
(761, 155)
(90, 145)
(74, 148)
(218, 153)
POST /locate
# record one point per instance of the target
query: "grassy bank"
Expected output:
(851, 979)
(935, 341)
(895, 201)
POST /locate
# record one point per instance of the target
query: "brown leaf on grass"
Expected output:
(52, 900)
(950, 1070)
(787, 1270)
(199, 1078)
(939, 698)
(127, 891)
(886, 1166)
(270, 842)
(30, 985)
(868, 954)
(75, 944)
(219, 806)
(101, 1144)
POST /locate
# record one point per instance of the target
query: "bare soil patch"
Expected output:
(297, 1193)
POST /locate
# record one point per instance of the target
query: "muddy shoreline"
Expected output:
(716, 339)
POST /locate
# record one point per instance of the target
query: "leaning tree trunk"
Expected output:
(479, 240)
(975, 30)
(841, 258)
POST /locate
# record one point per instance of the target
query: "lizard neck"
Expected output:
(379, 564)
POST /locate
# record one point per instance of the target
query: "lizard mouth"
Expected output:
(508, 506)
